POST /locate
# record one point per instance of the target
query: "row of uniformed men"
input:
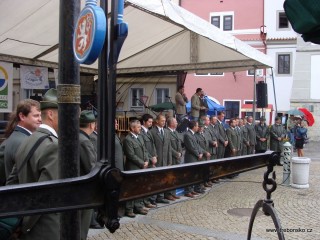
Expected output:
(146, 146)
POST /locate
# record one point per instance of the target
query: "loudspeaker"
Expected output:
(262, 94)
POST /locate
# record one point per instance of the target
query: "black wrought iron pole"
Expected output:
(102, 95)
(111, 83)
(69, 102)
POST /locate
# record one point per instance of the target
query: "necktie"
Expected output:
(161, 132)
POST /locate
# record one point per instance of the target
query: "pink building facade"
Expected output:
(245, 20)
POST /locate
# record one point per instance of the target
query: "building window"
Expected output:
(284, 64)
(222, 20)
(227, 23)
(250, 72)
(162, 95)
(215, 20)
(282, 20)
(136, 94)
(232, 109)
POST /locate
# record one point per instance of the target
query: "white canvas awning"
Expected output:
(163, 37)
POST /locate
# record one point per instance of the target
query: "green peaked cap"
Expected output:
(87, 116)
(49, 100)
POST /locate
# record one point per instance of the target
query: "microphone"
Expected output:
(168, 97)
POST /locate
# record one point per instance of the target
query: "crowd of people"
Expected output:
(30, 152)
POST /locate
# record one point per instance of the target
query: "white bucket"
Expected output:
(300, 172)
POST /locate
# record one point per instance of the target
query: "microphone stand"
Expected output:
(145, 106)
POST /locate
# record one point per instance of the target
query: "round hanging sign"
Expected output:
(90, 32)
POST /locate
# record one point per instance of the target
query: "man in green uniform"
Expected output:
(42, 166)
(88, 158)
(162, 143)
(194, 153)
(277, 135)
(233, 139)
(136, 158)
(176, 149)
(250, 125)
(262, 133)
(24, 121)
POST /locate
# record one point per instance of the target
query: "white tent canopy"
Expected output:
(162, 37)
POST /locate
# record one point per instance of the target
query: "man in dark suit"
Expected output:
(162, 142)
(136, 158)
(147, 120)
(193, 153)
(234, 140)
(222, 136)
(88, 158)
(42, 166)
(25, 120)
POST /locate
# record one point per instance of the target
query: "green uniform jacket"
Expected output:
(262, 132)
(135, 151)
(245, 140)
(176, 147)
(163, 147)
(195, 105)
(88, 158)
(12, 144)
(149, 144)
(240, 134)
(88, 155)
(233, 141)
(203, 142)
(193, 148)
(251, 134)
(42, 166)
(94, 139)
(211, 135)
(275, 132)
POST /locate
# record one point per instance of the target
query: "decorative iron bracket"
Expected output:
(267, 205)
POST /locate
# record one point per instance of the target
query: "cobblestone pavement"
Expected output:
(223, 212)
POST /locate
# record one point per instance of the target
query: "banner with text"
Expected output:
(6, 83)
(34, 77)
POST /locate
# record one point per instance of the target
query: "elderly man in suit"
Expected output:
(162, 142)
(176, 148)
(196, 105)
(24, 121)
(210, 134)
(181, 101)
(42, 166)
(262, 133)
(136, 158)
(251, 135)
